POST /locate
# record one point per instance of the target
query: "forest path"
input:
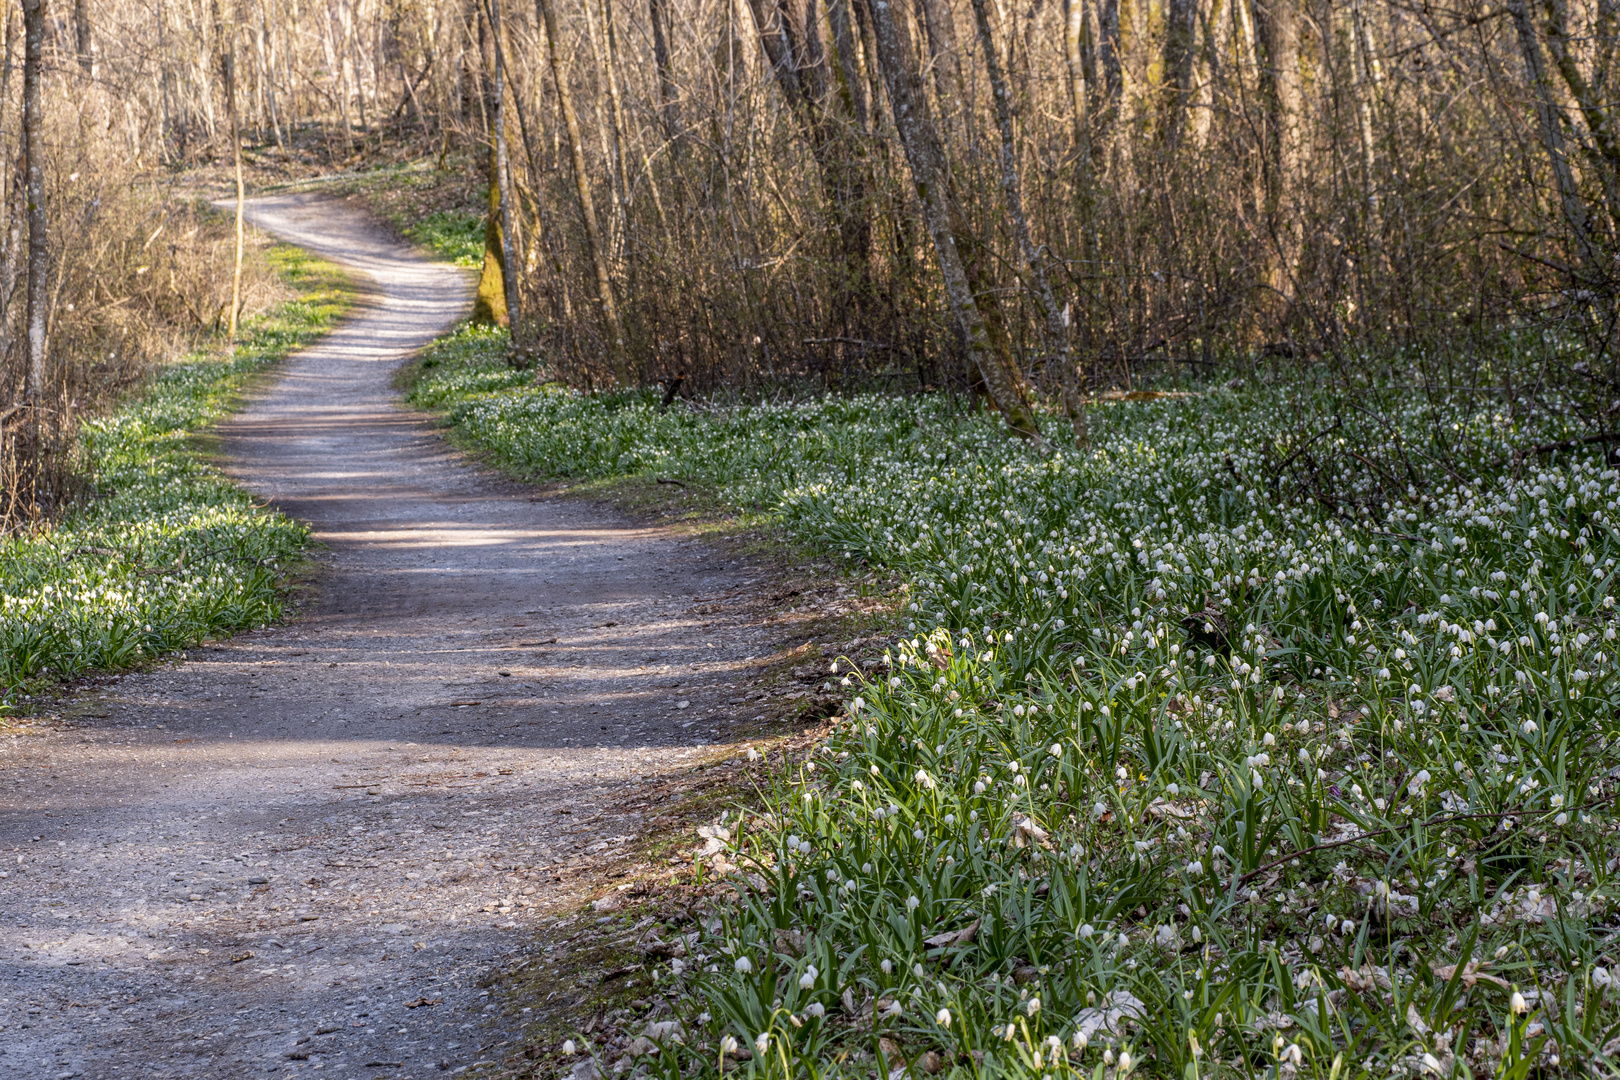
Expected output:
(256, 860)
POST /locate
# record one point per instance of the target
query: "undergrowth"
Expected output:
(166, 551)
(1272, 735)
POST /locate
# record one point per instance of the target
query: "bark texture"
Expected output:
(943, 216)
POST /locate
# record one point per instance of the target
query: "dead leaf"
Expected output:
(1025, 829)
(953, 937)
(423, 1001)
(241, 956)
(1471, 974)
(1110, 1014)
(1366, 978)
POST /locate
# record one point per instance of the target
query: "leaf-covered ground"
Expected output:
(166, 551)
(1273, 734)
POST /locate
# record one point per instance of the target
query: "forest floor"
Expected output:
(314, 846)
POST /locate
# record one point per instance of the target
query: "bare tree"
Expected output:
(33, 152)
(1056, 334)
(612, 328)
(84, 40)
(225, 35)
(943, 216)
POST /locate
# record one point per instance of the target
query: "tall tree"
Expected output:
(33, 150)
(791, 42)
(84, 40)
(942, 214)
(668, 99)
(1180, 24)
(1055, 333)
(503, 164)
(225, 35)
(1277, 27)
(612, 328)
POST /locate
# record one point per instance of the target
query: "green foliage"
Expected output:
(167, 551)
(455, 236)
(1273, 735)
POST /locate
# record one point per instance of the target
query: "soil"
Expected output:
(307, 847)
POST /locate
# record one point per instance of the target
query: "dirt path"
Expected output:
(257, 860)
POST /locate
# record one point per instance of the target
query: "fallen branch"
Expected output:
(1553, 448)
(1444, 819)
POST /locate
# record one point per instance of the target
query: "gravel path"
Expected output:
(301, 849)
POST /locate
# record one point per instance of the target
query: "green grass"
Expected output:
(167, 552)
(1228, 743)
(455, 236)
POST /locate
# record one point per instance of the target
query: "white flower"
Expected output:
(569, 1049)
(887, 967)
(1032, 1006)
(728, 1046)
(808, 979)
(912, 903)
(925, 780)
(743, 965)
(815, 1009)
(1126, 1062)
(762, 1044)
(1057, 750)
(1517, 1005)
(1079, 1041)
(1195, 868)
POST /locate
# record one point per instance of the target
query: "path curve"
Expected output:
(256, 860)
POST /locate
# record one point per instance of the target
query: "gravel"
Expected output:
(304, 848)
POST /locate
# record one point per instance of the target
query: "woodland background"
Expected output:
(1019, 200)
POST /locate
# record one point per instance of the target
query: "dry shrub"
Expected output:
(136, 276)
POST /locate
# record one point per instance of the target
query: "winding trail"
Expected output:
(260, 859)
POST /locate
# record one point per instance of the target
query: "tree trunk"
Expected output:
(1113, 72)
(503, 168)
(668, 98)
(33, 149)
(84, 42)
(613, 331)
(1074, 28)
(226, 35)
(1552, 132)
(851, 88)
(940, 26)
(1040, 285)
(1278, 30)
(942, 215)
(1180, 21)
(1602, 145)
(489, 307)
